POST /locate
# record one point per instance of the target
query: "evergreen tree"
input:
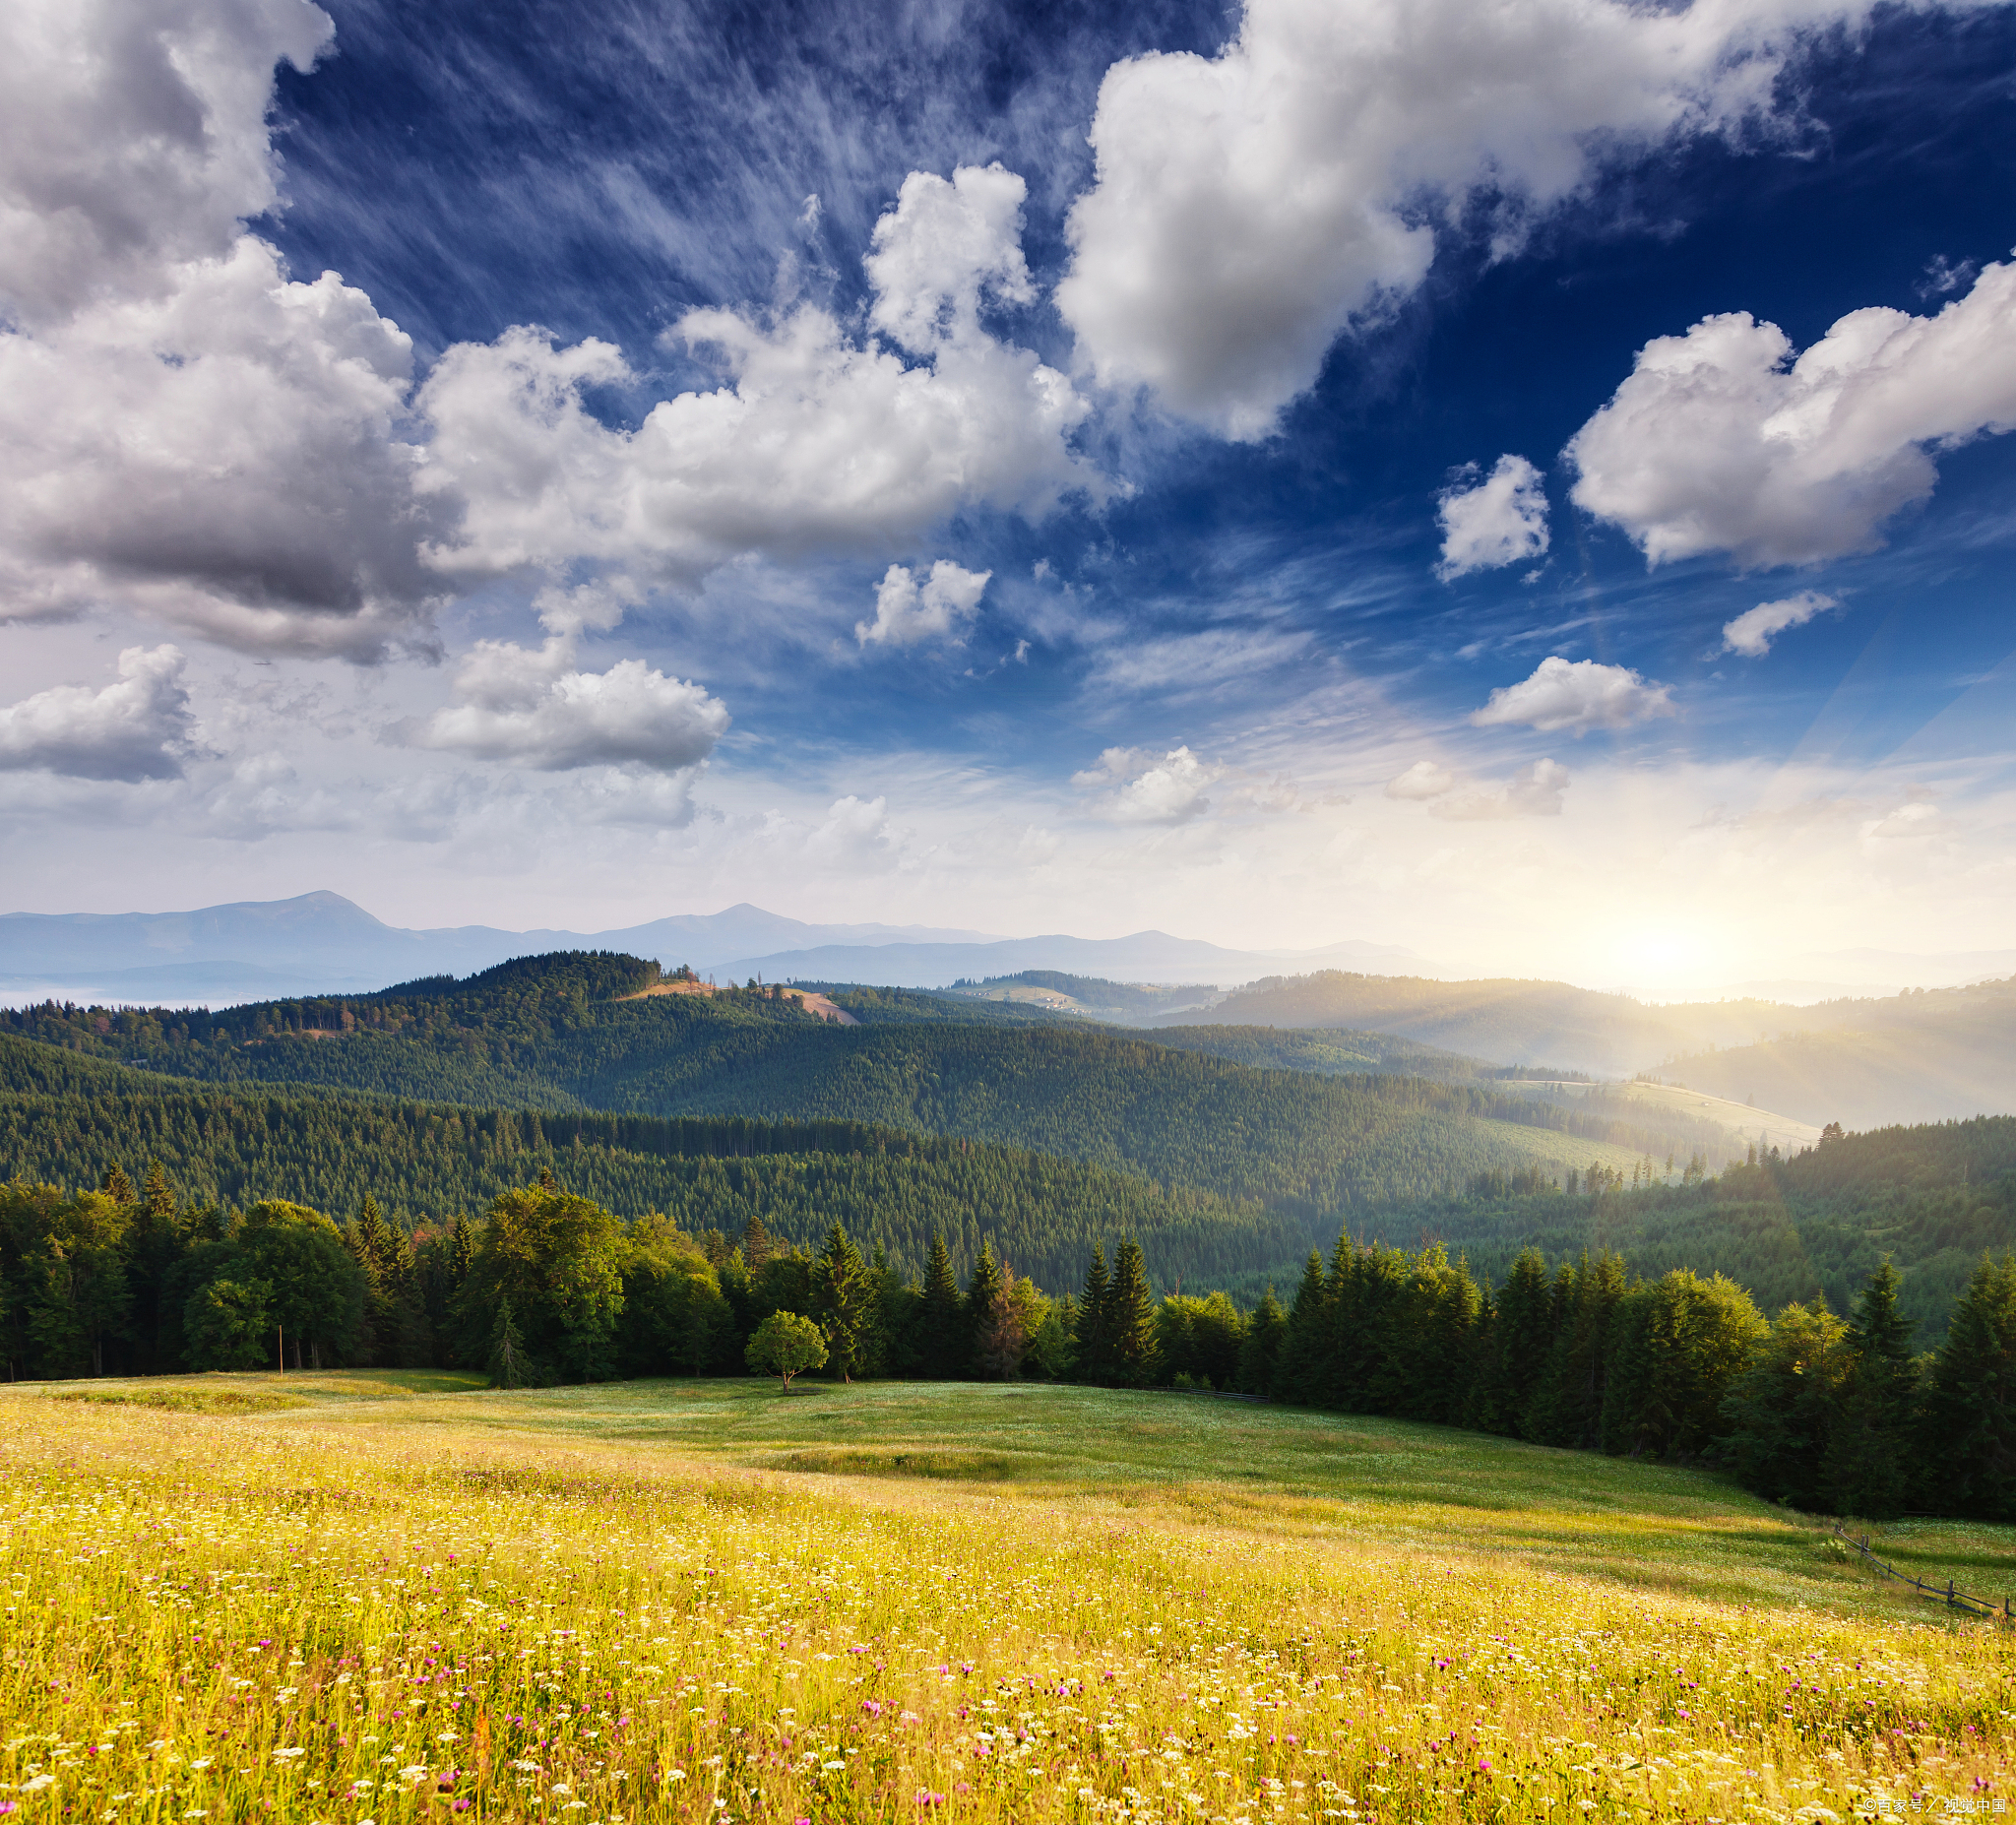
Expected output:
(1970, 1430)
(1130, 1324)
(845, 1304)
(1301, 1359)
(1095, 1348)
(1567, 1407)
(756, 1244)
(1868, 1466)
(1524, 1339)
(1261, 1344)
(977, 1309)
(155, 1245)
(508, 1363)
(938, 1323)
(117, 1186)
(1003, 1334)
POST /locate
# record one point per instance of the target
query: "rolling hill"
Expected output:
(572, 1032)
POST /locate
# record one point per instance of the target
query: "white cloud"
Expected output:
(1577, 697)
(816, 441)
(1719, 441)
(1498, 521)
(533, 708)
(1152, 789)
(1534, 791)
(941, 607)
(1425, 778)
(943, 245)
(1251, 208)
(186, 431)
(1752, 631)
(139, 729)
(132, 140)
(221, 456)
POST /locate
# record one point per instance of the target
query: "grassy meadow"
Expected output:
(387, 1596)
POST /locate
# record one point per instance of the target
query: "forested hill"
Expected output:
(66, 1121)
(1932, 1200)
(559, 1034)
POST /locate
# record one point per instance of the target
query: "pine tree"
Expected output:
(1131, 1318)
(845, 1296)
(508, 1363)
(757, 1247)
(117, 1186)
(1525, 1338)
(938, 1321)
(982, 1291)
(1002, 1338)
(1261, 1344)
(1868, 1466)
(1970, 1430)
(1095, 1351)
(1299, 1362)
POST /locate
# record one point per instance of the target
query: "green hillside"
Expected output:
(66, 1121)
(566, 1033)
(1940, 1055)
(1933, 1199)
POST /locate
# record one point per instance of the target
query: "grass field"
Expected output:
(377, 1596)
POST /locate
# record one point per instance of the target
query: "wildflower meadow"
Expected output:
(367, 1598)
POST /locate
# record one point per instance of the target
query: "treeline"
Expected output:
(544, 1034)
(548, 1286)
(1933, 1199)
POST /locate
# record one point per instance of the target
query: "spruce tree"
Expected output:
(938, 1321)
(117, 1186)
(982, 1291)
(1524, 1336)
(1970, 1420)
(757, 1247)
(845, 1296)
(1002, 1337)
(1095, 1353)
(1131, 1318)
(1867, 1466)
(1299, 1363)
(509, 1366)
(1261, 1344)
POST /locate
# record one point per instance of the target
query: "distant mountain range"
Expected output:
(322, 943)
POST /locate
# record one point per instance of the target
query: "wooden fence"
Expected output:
(1952, 1598)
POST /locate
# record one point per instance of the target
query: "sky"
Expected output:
(1528, 481)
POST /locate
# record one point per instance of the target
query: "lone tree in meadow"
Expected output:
(786, 1343)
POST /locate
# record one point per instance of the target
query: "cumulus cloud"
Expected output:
(1752, 632)
(1534, 791)
(1576, 696)
(188, 430)
(1248, 208)
(135, 139)
(1425, 778)
(940, 248)
(815, 441)
(1498, 521)
(1719, 441)
(137, 728)
(222, 454)
(533, 708)
(941, 607)
(1144, 787)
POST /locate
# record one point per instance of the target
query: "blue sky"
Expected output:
(1280, 476)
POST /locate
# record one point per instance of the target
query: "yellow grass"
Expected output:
(688, 1601)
